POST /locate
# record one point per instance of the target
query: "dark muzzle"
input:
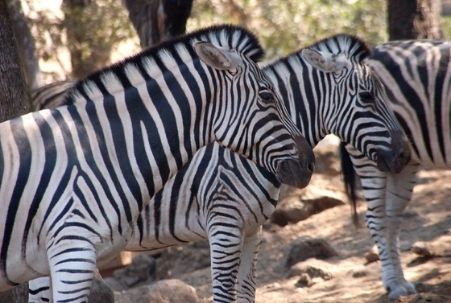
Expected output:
(397, 157)
(297, 172)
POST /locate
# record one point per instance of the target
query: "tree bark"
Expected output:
(158, 20)
(25, 44)
(414, 19)
(13, 93)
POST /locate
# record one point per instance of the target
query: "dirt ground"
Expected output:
(426, 222)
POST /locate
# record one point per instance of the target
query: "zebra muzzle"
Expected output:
(297, 172)
(394, 160)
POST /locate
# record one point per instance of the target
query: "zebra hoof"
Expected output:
(404, 288)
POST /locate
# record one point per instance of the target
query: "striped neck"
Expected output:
(316, 99)
(305, 99)
(162, 113)
(160, 103)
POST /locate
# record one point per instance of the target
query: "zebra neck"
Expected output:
(301, 90)
(150, 120)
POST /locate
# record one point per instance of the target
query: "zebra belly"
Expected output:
(21, 268)
(165, 232)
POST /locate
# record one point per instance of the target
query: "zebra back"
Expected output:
(51, 95)
(417, 74)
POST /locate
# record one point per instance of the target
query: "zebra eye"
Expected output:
(266, 96)
(366, 97)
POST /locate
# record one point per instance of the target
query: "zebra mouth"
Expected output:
(396, 157)
(292, 172)
(392, 161)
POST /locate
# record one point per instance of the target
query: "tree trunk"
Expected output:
(414, 19)
(13, 97)
(25, 44)
(158, 20)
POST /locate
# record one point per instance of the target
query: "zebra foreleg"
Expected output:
(72, 261)
(398, 194)
(225, 253)
(246, 272)
(374, 188)
(39, 290)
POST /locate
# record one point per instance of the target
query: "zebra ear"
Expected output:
(326, 62)
(217, 57)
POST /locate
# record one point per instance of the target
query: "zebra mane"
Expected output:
(230, 36)
(351, 46)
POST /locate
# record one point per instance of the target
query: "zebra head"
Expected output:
(358, 111)
(253, 121)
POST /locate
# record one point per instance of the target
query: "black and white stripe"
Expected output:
(226, 198)
(417, 74)
(74, 179)
(51, 95)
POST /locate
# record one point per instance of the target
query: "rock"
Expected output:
(174, 261)
(18, 294)
(142, 269)
(422, 249)
(309, 248)
(295, 207)
(284, 215)
(100, 292)
(424, 298)
(371, 256)
(304, 281)
(359, 274)
(121, 259)
(326, 154)
(163, 291)
(439, 247)
(405, 246)
(312, 270)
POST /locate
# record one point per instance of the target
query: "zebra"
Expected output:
(225, 198)
(74, 179)
(417, 74)
(51, 95)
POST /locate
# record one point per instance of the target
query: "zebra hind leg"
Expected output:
(39, 290)
(246, 272)
(72, 263)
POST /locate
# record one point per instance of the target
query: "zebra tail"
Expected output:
(347, 169)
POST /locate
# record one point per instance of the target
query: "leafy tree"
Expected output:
(88, 29)
(284, 26)
(93, 28)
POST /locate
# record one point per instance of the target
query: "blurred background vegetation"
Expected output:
(284, 26)
(107, 34)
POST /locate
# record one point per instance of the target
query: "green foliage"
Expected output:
(284, 26)
(93, 29)
(90, 32)
(446, 27)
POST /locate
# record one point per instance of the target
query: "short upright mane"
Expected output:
(349, 45)
(229, 36)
